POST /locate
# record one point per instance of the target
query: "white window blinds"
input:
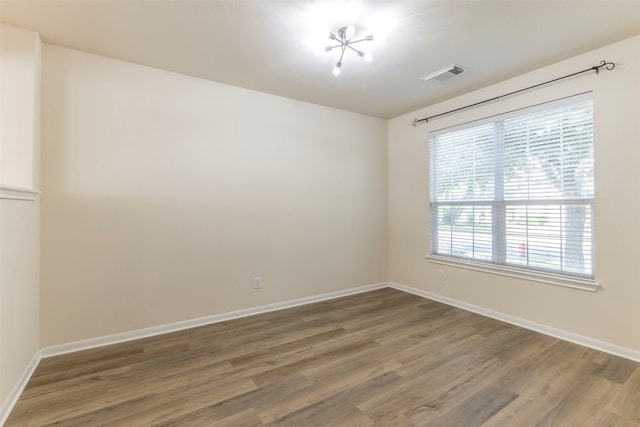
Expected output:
(517, 189)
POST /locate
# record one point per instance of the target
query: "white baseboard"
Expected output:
(56, 350)
(604, 346)
(177, 326)
(15, 393)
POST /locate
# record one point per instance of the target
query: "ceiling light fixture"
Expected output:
(344, 39)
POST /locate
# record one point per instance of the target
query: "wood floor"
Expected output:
(383, 358)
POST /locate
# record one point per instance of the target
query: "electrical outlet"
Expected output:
(257, 283)
(441, 275)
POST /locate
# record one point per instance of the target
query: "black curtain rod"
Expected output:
(603, 63)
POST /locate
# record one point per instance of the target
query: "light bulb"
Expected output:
(336, 70)
(366, 56)
(350, 32)
(381, 35)
(317, 41)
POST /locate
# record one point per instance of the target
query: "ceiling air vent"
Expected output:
(444, 74)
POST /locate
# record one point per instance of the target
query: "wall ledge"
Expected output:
(18, 193)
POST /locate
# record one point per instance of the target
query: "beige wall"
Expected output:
(612, 314)
(19, 289)
(164, 195)
(19, 219)
(20, 93)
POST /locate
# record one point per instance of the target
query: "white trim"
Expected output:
(517, 273)
(17, 390)
(604, 346)
(56, 350)
(18, 193)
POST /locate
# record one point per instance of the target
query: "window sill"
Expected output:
(18, 193)
(549, 279)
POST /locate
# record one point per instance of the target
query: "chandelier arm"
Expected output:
(333, 47)
(361, 40)
(344, 46)
(353, 49)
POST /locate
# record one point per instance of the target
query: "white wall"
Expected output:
(19, 219)
(20, 93)
(164, 195)
(610, 315)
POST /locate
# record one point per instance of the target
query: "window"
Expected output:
(516, 190)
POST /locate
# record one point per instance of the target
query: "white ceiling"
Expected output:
(263, 44)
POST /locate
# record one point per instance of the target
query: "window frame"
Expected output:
(496, 264)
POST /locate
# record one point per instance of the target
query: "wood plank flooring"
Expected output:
(382, 358)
